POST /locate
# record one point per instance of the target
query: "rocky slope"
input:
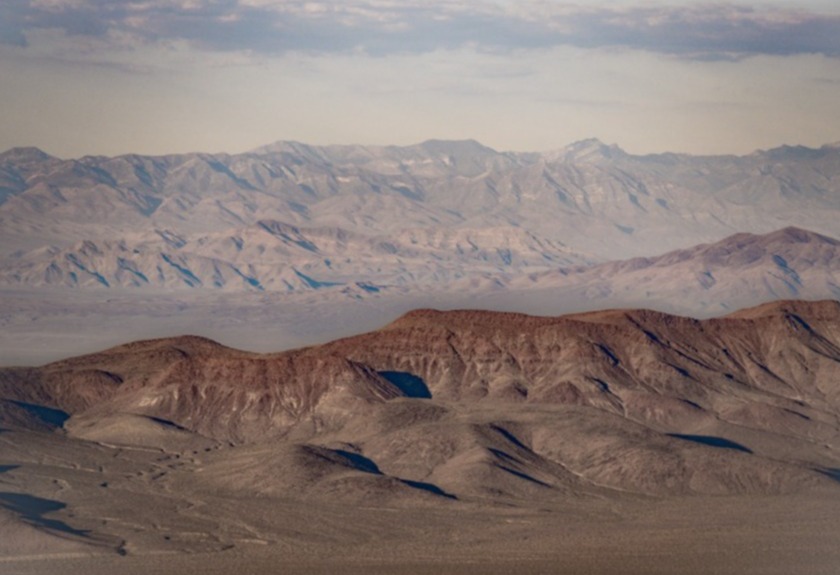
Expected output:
(274, 256)
(596, 199)
(471, 405)
(167, 285)
(510, 267)
(710, 279)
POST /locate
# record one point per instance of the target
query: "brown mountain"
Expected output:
(479, 404)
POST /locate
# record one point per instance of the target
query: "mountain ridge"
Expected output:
(393, 228)
(704, 280)
(281, 145)
(630, 424)
(635, 203)
(208, 286)
(499, 265)
(644, 384)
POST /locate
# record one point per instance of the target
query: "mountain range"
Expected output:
(457, 413)
(702, 281)
(474, 361)
(249, 247)
(595, 199)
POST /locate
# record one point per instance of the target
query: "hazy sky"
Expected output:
(158, 76)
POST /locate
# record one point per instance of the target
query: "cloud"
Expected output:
(11, 23)
(382, 27)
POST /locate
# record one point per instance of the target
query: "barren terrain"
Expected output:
(465, 442)
(248, 248)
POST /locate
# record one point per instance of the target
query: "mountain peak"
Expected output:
(452, 146)
(799, 235)
(284, 146)
(590, 149)
(25, 154)
(797, 152)
(819, 309)
(788, 235)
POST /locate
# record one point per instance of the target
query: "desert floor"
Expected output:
(149, 511)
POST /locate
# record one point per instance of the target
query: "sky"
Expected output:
(87, 77)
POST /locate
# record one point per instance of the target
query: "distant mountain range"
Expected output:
(619, 398)
(594, 199)
(705, 280)
(269, 239)
(507, 268)
(274, 256)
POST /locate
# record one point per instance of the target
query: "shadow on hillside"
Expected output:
(359, 461)
(712, 441)
(32, 509)
(367, 465)
(48, 415)
(832, 473)
(433, 489)
(408, 383)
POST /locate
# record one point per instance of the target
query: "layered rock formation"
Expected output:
(481, 405)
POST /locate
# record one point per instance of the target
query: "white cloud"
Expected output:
(690, 30)
(158, 76)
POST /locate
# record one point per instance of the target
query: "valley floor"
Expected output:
(789, 535)
(133, 511)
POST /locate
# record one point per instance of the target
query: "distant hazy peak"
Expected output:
(455, 146)
(799, 235)
(587, 150)
(790, 234)
(581, 150)
(25, 154)
(819, 309)
(433, 147)
(787, 152)
(286, 146)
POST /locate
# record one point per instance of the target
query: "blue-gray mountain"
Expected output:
(591, 198)
(248, 248)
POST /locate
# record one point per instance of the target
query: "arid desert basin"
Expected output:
(419, 287)
(624, 441)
